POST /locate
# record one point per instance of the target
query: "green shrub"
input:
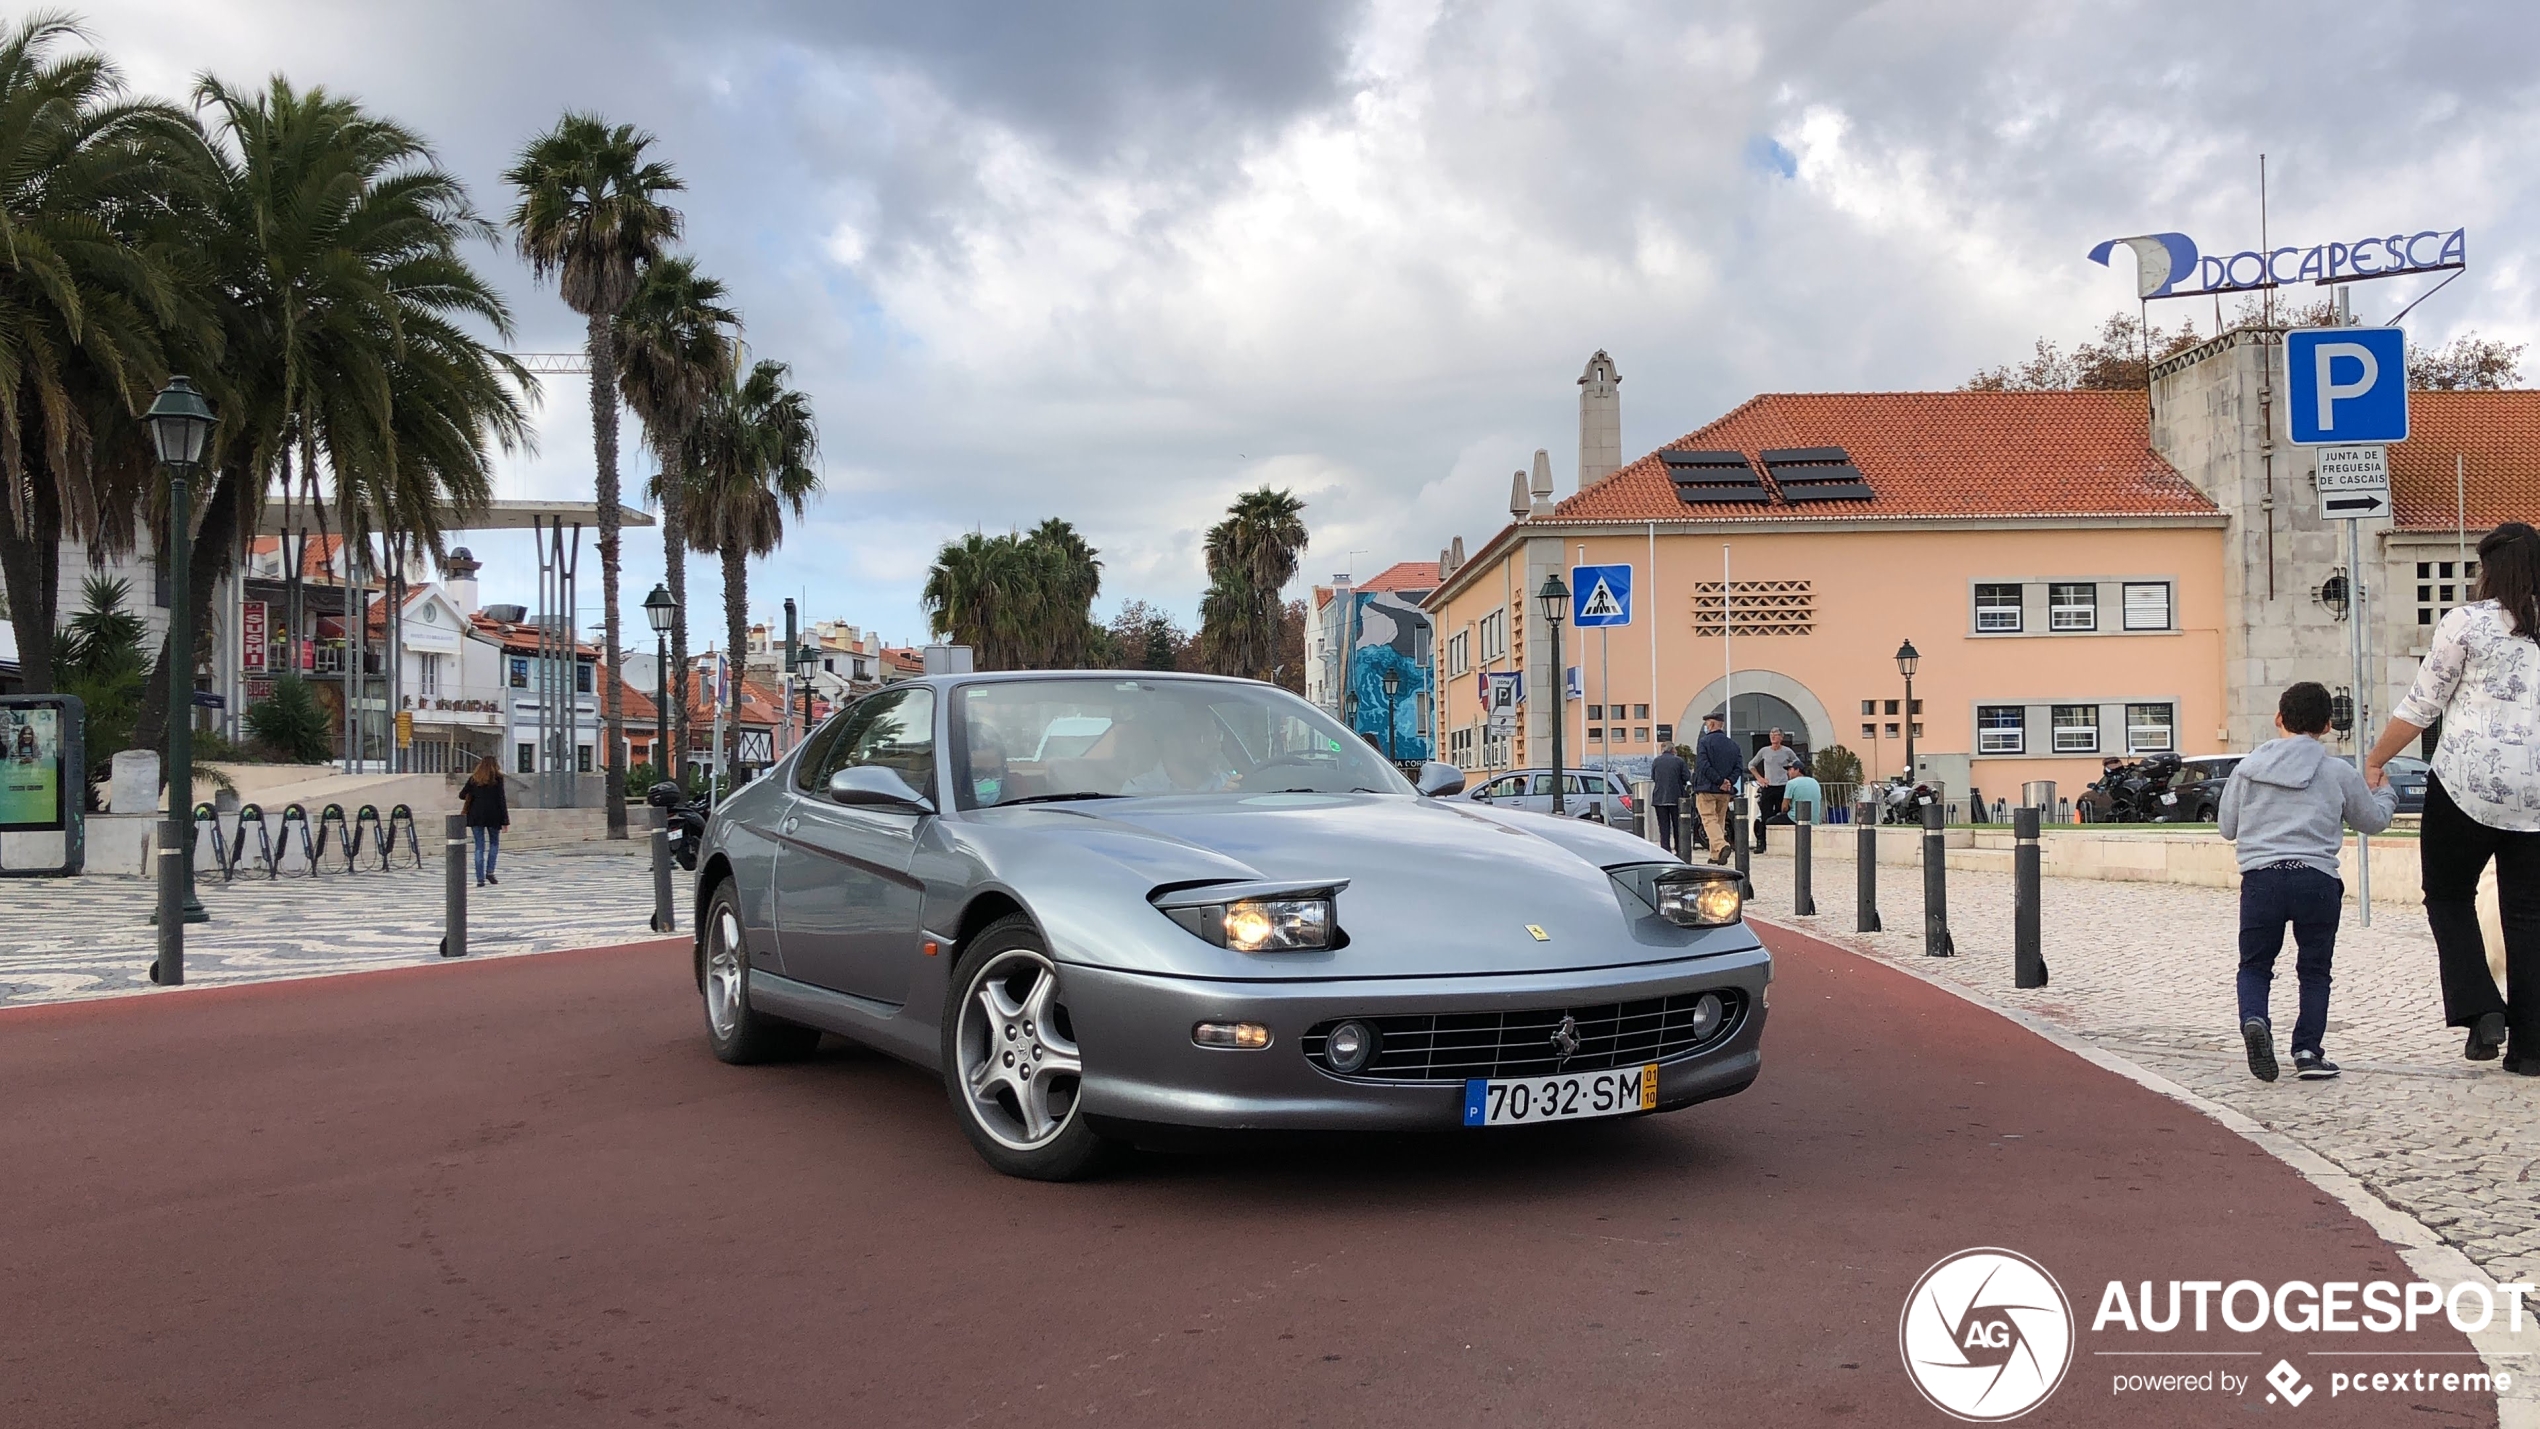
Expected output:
(291, 723)
(1835, 764)
(101, 661)
(640, 778)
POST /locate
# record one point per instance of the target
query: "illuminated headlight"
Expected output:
(1261, 925)
(1700, 902)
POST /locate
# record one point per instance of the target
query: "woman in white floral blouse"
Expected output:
(2482, 680)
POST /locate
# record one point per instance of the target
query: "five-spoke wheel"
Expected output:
(1011, 1065)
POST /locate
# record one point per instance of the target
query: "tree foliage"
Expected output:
(2116, 358)
(1143, 637)
(752, 460)
(1252, 555)
(2468, 363)
(1024, 601)
(100, 659)
(290, 723)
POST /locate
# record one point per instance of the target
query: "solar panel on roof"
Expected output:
(1705, 478)
(1817, 474)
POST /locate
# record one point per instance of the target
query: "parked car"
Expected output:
(2407, 775)
(1203, 903)
(1581, 790)
(2200, 781)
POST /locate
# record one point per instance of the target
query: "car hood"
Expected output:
(1433, 888)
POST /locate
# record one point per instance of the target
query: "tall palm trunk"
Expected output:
(603, 350)
(31, 565)
(736, 628)
(674, 551)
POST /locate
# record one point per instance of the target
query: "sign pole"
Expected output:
(2363, 726)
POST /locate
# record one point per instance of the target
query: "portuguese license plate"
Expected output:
(1571, 1097)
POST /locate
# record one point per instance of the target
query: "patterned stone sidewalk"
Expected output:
(2145, 971)
(91, 937)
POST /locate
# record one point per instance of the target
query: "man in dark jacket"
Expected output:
(1716, 767)
(1668, 774)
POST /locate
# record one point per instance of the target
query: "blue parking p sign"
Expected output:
(1600, 596)
(2347, 385)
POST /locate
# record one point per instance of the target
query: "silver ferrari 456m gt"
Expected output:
(1105, 905)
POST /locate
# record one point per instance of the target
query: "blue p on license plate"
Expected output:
(1572, 1096)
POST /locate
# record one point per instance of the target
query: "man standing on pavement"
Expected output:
(1775, 763)
(1667, 776)
(1715, 771)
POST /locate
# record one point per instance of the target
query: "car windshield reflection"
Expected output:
(1047, 741)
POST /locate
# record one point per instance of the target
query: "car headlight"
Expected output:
(1261, 925)
(1699, 900)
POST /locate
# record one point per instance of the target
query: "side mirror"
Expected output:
(872, 786)
(1437, 780)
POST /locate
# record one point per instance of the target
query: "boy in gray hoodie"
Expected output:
(2287, 808)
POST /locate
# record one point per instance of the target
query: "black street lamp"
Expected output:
(806, 660)
(1393, 686)
(659, 611)
(180, 427)
(1552, 602)
(1907, 659)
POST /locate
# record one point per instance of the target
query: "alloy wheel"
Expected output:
(724, 973)
(1020, 1067)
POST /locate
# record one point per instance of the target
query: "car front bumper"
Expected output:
(1143, 1069)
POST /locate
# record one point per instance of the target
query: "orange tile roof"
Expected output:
(519, 638)
(1401, 575)
(1928, 454)
(2498, 433)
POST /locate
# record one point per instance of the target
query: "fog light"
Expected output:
(1708, 1011)
(1241, 1036)
(1350, 1046)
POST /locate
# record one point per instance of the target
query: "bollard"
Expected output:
(1865, 842)
(1735, 833)
(2028, 924)
(665, 909)
(1936, 941)
(454, 896)
(175, 832)
(1803, 891)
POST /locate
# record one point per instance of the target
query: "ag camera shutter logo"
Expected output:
(1986, 1335)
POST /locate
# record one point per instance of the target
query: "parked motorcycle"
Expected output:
(1902, 803)
(2136, 793)
(686, 817)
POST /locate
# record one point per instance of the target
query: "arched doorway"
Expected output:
(1765, 699)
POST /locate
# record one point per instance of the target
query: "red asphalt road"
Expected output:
(523, 1192)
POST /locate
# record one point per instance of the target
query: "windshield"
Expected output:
(1025, 741)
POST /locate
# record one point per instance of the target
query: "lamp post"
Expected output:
(1552, 602)
(1907, 659)
(180, 426)
(806, 660)
(1393, 686)
(660, 609)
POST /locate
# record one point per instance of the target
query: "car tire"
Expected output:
(1010, 1057)
(737, 1032)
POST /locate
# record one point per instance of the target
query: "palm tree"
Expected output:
(673, 353)
(1019, 602)
(753, 460)
(333, 242)
(1252, 555)
(974, 595)
(88, 306)
(591, 216)
(1067, 576)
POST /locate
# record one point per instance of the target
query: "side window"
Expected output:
(894, 729)
(812, 771)
(1543, 785)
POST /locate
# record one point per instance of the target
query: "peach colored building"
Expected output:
(2061, 581)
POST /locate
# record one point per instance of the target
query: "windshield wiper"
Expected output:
(1051, 799)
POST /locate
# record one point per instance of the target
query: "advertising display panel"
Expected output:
(43, 756)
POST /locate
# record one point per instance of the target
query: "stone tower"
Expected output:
(1600, 420)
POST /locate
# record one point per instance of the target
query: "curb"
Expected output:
(2425, 1252)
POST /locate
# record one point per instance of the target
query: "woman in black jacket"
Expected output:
(489, 812)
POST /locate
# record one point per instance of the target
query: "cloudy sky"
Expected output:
(1116, 260)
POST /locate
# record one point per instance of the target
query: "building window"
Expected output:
(1869, 731)
(1895, 707)
(2072, 605)
(1494, 632)
(582, 677)
(1458, 653)
(1918, 729)
(1895, 731)
(2001, 729)
(1596, 712)
(2076, 729)
(527, 755)
(2147, 605)
(2149, 729)
(2442, 585)
(582, 758)
(1998, 609)
(520, 672)
(1869, 707)
(1640, 711)
(1666, 734)
(1640, 734)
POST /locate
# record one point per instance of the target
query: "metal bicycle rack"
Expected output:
(206, 814)
(297, 816)
(366, 820)
(330, 821)
(252, 816)
(400, 817)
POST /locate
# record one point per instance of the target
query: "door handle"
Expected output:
(789, 824)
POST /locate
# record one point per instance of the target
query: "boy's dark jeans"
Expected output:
(2309, 900)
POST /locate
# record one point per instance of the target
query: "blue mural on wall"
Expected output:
(1392, 637)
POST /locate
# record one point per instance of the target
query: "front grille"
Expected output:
(1453, 1046)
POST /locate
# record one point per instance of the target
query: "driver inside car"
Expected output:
(1180, 757)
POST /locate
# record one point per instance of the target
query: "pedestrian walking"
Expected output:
(2287, 807)
(1715, 773)
(1773, 764)
(2481, 685)
(488, 808)
(1668, 775)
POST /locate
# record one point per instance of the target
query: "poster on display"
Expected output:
(1391, 639)
(43, 752)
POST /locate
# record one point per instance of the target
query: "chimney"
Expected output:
(1541, 486)
(1600, 420)
(1458, 550)
(1519, 503)
(458, 580)
(1446, 566)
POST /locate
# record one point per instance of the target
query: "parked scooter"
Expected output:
(686, 817)
(2136, 793)
(1902, 803)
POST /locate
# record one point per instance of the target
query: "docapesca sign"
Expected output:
(2168, 265)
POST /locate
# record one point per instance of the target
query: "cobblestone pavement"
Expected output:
(2145, 971)
(91, 937)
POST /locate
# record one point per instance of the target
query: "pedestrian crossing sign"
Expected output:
(1600, 596)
